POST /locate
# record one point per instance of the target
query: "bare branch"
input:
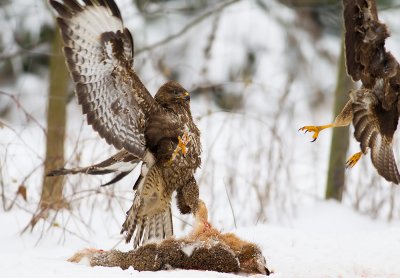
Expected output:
(230, 205)
(193, 23)
(26, 113)
(32, 49)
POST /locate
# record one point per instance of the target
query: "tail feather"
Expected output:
(168, 226)
(368, 131)
(143, 229)
(130, 224)
(152, 227)
(139, 234)
(383, 159)
(159, 231)
(146, 236)
(150, 214)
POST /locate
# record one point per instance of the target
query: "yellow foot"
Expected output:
(181, 147)
(315, 129)
(182, 142)
(353, 160)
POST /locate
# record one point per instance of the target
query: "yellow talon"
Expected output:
(353, 160)
(315, 129)
(182, 146)
(183, 141)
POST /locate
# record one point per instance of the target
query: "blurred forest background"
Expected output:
(257, 70)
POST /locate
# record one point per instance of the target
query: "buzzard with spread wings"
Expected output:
(158, 131)
(373, 108)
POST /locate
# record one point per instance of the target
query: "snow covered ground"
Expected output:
(325, 240)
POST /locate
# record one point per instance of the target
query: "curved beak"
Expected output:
(186, 96)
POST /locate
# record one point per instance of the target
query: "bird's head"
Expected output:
(172, 93)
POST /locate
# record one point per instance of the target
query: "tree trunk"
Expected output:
(340, 136)
(53, 186)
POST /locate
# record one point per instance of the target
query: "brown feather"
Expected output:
(123, 163)
(374, 129)
(187, 197)
(61, 9)
(73, 5)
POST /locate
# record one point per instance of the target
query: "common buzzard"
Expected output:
(158, 131)
(373, 108)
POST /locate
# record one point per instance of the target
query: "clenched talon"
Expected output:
(315, 129)
(183, 141)
(353, 160)
(182, 146)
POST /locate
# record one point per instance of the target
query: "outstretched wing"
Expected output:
(366, 57)
(353, 38)
(374, 129)
(99, 55)
(122, 163)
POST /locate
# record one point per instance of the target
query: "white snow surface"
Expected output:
(188, 249)
(326, 239)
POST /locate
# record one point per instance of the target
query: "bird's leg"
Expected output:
(187, 197)
(315, 129)
(343, 119)
(353, 160)
(181, 147)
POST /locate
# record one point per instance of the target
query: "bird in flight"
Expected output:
(374, 107)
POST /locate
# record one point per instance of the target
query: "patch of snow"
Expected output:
(326, 239)
(84, 261)
(189, 248)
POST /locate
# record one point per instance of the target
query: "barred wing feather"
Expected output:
(99, 55)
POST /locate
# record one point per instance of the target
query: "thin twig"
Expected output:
(230, 205)
(26, 113)
(189, 26)
(32, 49)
